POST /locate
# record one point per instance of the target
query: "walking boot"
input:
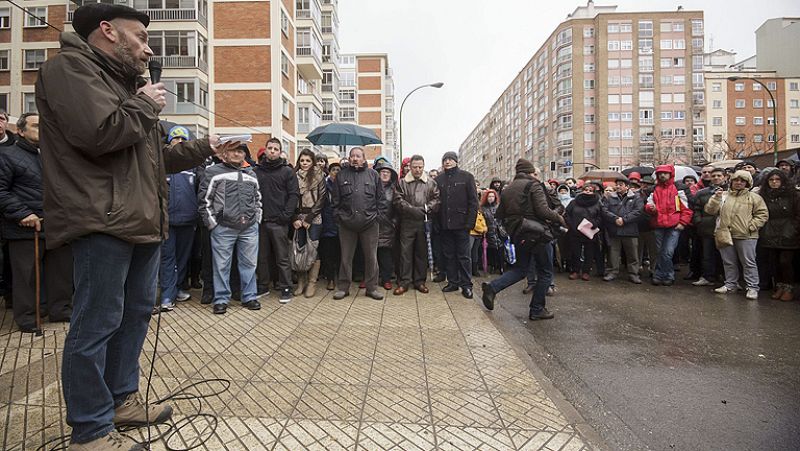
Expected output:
(134, 412)
(331, 285)
(113, 441)
(302, 278)
(778, 291)
(313, 273)
(788, 293)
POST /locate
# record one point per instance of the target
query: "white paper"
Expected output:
(587, 228)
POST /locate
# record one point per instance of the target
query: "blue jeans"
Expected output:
(666, 242)
(115, 288)
(223, 241)
(175, 253)
(540, 257)
(532, 275)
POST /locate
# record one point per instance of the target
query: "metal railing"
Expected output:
(166, 14)
(646, 121)
(181, 62)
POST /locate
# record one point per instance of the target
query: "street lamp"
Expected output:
(774, 115)
(432, 85)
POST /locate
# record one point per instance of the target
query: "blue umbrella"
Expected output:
(336, 134)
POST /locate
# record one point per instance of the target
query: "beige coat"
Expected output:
(742, 213)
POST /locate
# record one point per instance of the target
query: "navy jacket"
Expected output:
(20, 188)
(458, 207)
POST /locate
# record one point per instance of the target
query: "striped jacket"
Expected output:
(229, 196)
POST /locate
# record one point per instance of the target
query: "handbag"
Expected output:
(510, 252)
(722, 235)
(303, 257)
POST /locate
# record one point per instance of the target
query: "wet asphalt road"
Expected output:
(677, 368)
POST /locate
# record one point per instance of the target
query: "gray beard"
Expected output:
(132, 67)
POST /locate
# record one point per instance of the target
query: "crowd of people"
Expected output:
(239, 228)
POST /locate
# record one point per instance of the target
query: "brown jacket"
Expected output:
(514, 207)
(414, 197)
(104, 155)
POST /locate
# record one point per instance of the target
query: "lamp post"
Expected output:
(774, 115)
(432, 85)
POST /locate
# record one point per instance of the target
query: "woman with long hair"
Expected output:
(780, 237)
(495, 235)
(308, 218)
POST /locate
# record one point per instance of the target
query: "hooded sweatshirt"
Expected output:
(667, 205)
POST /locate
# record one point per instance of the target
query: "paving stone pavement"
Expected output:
(413, 372)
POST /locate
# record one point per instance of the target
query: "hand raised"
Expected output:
(155, 92)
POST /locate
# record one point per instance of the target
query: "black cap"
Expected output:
(88, 17)
(451, 155)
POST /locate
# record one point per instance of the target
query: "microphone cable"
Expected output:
(62, 442)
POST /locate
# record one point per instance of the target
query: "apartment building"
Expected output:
(366, 94)
(607, 89)
(741, 118)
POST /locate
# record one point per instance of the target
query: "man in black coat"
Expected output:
(622, 213)
(21, 206)
(280, 193)
(457, 213)
(704, 225)
(357, 200)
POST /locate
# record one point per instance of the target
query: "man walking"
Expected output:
(357, 198)
(417, 199)
(230, 205)
(21, 209)
(622, 212)
(670, 213)
(457, 213)
(525, 198)
(279, 195)
(105, 192)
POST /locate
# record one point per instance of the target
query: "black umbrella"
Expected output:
(642, 170)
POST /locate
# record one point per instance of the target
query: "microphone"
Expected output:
(155, 71)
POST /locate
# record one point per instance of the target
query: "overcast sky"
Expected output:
(476, 47)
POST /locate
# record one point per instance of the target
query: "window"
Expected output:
(758, 138)
(666, 115)
(588, 50)
(613, 117)
(4, 59)
(5, 18)
(626, 45)
(679, 62)
(666, 62)
(677, 26)
(645, 46)
(697, 27)
(4, 101)
(34, 59)
(613, 28)
(613, 64)
(646, 64)
(666, 44)
(679, 44)
(613, 99)
(794, 120)
(769, 103)
(626, 116)
(588, 32)
(793, 86)
(740, 120)
(717, 138)
(35, 22)
(613, 134)
(613, 46)
(698, 81)
(588, 153)
(758, 103)
(588, 118)
(29, 102)
(666, 98)
(795, 138)
(770, 120)
(771, 85)
(646, 80)
(666, 133)
(588, 101)
(284, 64)
(740, 138)
(758, 120)
(756, 87)
(739, 103)
(625, 27)
(588, 136)
(794, 103)
(588, 84)
(679, 115)
(771, 138)
(697, 63)
(697, 43)
(347, 113)
(666, 27)
(679, 97)
(625, 63)
(613, 151)
(666, 79)
(588, 67)
(285, 107)
(679, 80)
(645, 29)
(646, 98)
(284, 23)
(185, 91)
(716, 104)
(717, 121)
(738, 87)
(627, 98)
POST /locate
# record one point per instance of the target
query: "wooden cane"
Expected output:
(38, 279)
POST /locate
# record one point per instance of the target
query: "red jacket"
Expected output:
(668, 206)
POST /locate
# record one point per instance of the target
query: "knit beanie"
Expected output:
(524, 166)
(451, 155)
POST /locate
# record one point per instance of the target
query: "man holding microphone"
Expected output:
(105, 193)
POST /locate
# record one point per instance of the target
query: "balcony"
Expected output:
(564, 142)
(563, 74)
(309, 63)
(327, 117)
(181, 62)
(564, 92)
(168, 15)
(646, 121)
